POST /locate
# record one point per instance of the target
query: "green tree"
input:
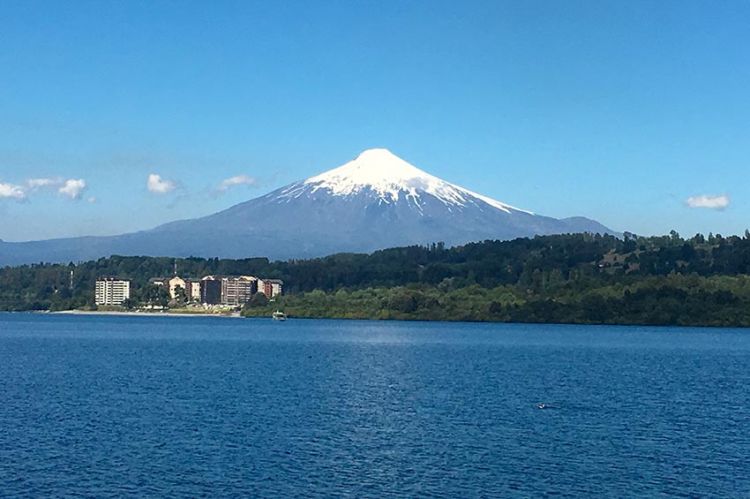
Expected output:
(258, 300)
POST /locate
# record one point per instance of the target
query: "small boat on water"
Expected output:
(278, 316)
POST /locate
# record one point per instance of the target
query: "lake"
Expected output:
(172, 406)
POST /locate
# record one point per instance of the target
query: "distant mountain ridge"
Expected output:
(375, 201)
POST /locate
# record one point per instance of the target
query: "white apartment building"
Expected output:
(112, 291)
(174, 283)
(194, 288)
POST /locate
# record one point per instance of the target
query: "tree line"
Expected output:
(580, 278)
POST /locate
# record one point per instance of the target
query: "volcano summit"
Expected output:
(375, 201)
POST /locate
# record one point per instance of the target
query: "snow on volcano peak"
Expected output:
(379, 170)
(390, 177)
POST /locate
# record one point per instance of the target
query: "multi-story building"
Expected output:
(210, 290)
(191, 287)
(157, 281)
(194, 290)
(270, 287)
(237, 291)
(111, 291)
(173, 284)
(221, 290)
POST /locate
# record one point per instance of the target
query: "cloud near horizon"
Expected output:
(73, 188)
(708, 201)
(70, 188)
(235, 181)
(38, 183)
(159, 185)
(12, 191)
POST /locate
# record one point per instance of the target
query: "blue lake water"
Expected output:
(155, 406)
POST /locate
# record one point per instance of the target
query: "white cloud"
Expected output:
(159, 185)
(73, 188)
(230, 182)
(91, 200)
(708, 201)
(37, 183)
(12, 191)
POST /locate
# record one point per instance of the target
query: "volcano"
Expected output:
(375, 201)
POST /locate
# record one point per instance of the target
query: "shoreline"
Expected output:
(237, 315)
(233, 315)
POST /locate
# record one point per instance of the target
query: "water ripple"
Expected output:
(186, 408)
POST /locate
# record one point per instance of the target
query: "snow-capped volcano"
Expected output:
(375, 201)
(381, 173)
(391, 179)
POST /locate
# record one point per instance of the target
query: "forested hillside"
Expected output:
(570, 278)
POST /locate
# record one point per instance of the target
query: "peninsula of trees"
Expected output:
(579, 278)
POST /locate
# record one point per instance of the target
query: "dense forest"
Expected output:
(580, 278)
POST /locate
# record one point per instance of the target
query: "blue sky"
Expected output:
(619, 111)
